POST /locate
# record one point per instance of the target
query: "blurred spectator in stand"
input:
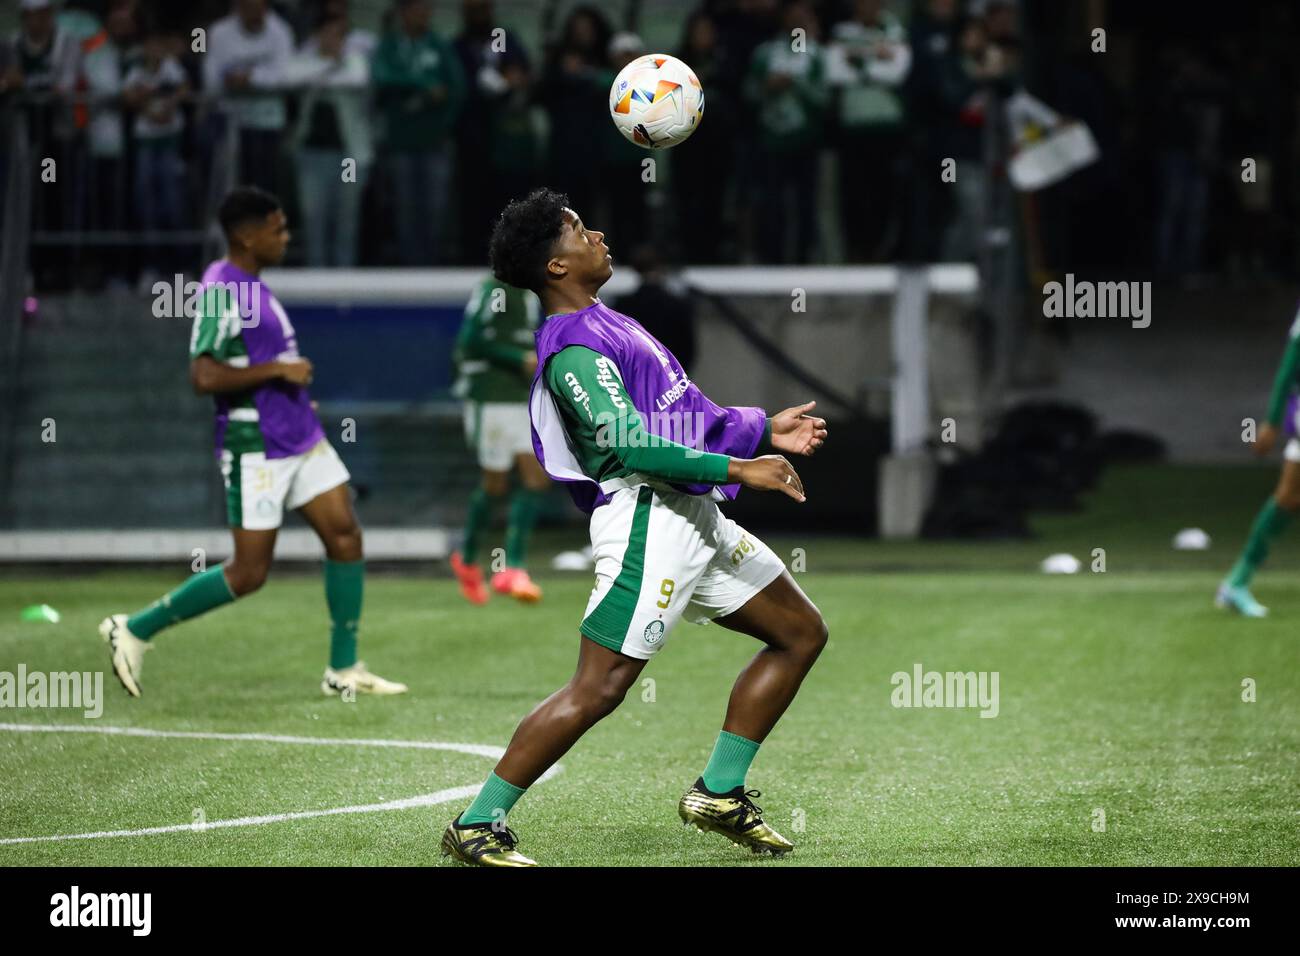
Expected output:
(44, 64)
(786, 86)
(154, 90)
(741, 26)
(575, 92)
(990, 56)
(333, 128)
(246, 54)
(621, 169)
(1189, 122)
(11, 78)
(667, 311)
(1257, 126)
(498, 146)
(44, 71)
(420, 89)
(100, 75)
(867, 61)
(1000, 23)
(700, 173)
(939, 88)
(358, 40)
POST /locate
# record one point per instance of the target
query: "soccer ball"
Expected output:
(656, 101)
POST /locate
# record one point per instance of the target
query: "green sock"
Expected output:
(732, 755)
(493, 802)
(1271, 521)
(476, 522)
(523, 515)
(201, 592)
(344, 581)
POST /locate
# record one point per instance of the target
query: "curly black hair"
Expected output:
(523, 238)
(245, 204)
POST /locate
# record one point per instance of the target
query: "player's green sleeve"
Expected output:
(473, 341)
(1284, 382)
(215, 325)
(587, 381)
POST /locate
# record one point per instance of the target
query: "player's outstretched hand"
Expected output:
(768, 473)
(296, 371)
(796, 432)
(1265, 440)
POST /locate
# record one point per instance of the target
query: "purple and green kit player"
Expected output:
(645, 453)
(271, 450)
(1278, 510)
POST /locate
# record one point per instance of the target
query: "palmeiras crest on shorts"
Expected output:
(654, 632)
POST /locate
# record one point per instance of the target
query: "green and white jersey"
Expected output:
(216, 332)
(494, 338)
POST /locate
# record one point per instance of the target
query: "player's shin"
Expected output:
(477, 519)
(1272, 520)
(524, 504)
(344, 585)
(200, 593)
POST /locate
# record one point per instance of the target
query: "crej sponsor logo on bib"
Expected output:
(608, 380)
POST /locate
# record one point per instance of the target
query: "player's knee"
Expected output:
(345, 545)
(601, 700)
(1287, 498)
(813, 633)
(245, 578)
(496, 483)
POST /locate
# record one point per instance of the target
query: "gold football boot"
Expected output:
(480, 845)
(734, 815)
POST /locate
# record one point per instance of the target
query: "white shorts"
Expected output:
(258, 489)
(498, 431)
(662, 556)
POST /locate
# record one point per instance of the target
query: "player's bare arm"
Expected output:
(210, 377)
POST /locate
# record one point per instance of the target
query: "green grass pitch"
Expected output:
(1120, 692)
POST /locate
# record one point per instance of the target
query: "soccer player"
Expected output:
(272, 452)
(605, 402)
(1278, 510)
(495, 360)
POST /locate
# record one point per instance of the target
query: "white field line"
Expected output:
(424, 800)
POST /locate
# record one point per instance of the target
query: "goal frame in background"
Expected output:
(911, 288)
(905, 476)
